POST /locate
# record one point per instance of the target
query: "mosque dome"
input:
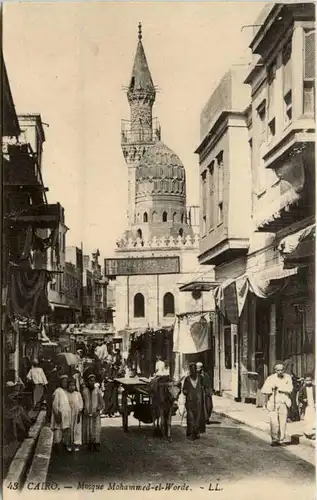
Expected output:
(160, 172)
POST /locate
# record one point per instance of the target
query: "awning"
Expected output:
(231, 295)
(199, 286)
(298, 249)
(200, 282)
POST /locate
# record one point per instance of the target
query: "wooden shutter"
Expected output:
(287, 68)
(309, 55)
(211, 195)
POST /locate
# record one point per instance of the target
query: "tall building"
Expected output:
(158, 251)
(95, 308)
(258, 220)
(30, 227)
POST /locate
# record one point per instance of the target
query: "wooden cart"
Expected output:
(137, 390)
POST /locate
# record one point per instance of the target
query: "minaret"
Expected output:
(141, 132)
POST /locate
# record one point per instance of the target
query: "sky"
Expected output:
(69, 62)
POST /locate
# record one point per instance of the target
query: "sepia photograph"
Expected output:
(158, 249)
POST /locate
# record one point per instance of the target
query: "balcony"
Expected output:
(218, 248)
(292, 199)
(21, 172)
(140, 134)
(46, 216)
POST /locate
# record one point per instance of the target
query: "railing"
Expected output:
(163, 242)
(140, 133)
(18, 149)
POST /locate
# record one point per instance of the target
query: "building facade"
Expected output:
(263, 204)
(158, 251)
(95, 308)
(30, 226)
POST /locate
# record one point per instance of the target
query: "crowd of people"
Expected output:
(76, 399)
(76, 406)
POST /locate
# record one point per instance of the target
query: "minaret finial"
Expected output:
(140, 31)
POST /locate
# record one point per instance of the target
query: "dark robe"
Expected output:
(195, 408)
(207, 390)
(110, 394)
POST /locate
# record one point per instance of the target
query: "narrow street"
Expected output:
(228, 454)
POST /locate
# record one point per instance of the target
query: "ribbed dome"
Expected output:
(160, 171)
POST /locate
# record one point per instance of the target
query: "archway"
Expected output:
(168, 304)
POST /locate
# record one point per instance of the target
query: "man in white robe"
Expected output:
(278, 387)
(37, 376)
(93, 407)
(76, 405)
(61, 414)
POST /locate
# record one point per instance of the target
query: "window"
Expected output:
(227, 347)
(271, 79)
(181, 232)
(262, 118)
(288, 107)
(139, 305)
(164, 217)
(271, 129)
(168, 304)
(182, 218)
(174, 216)
(261, 170)
(287, 81)
(220, 187)
(139, 233)
(154, 216)
(204, 202)
(145, 217)
(309, 73)
(211, 194)
(204, 228)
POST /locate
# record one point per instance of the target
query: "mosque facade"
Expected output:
(158, 251)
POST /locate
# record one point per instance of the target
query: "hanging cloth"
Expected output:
(191, 334)
(27, 293)
(267, 283)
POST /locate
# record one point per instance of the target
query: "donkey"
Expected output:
(164, 396)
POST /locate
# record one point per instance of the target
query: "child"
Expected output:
(76, 405)
(61, 414)
(307, 403)
(93, 406)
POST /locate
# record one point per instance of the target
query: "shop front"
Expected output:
(296, 323)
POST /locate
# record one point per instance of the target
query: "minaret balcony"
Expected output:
(140, 133)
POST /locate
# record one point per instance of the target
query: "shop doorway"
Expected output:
(262, 332)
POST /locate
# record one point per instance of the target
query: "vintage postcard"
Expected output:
(158, 249)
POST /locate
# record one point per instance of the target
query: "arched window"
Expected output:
(181, 232)
(154, 216)
(164, 218)
(168, 304)
(145, 217)
(139, 305)
(182, 218)
(174, 216)
(139, 234)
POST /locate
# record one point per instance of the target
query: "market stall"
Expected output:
(146, 345)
